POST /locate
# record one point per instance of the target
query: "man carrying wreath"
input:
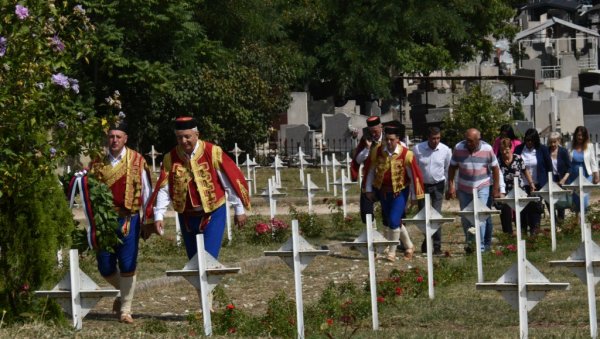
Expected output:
(127, 175)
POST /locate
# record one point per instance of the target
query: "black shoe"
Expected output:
(468, 250)
(437, 252)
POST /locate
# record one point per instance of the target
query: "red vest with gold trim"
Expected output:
(394, 168)
(195, 183)
(124, 180)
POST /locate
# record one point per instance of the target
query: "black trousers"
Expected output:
(436, 193)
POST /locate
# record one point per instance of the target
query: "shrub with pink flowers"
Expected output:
(272, 231)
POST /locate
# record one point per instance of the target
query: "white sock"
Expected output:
(127, 289)
(394, 236)
(405, 238)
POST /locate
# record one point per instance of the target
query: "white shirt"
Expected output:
(146, 189)
(433, 163)
(530, 160)
(371, 174)
(163, 199)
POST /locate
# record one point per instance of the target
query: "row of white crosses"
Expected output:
(523, 286)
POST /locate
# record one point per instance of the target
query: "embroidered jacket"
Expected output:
(396, 170)
(194, 183)
(124, 179)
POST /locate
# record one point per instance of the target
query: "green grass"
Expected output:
(458, 310)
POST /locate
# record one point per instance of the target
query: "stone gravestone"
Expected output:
(297, 113)
(535, 65)
(570, 114)
(543, 109)
(592, 123)
(316, 108)
(437, 99)
(436, 115)
(569, 68)
(336, 133)
(522, 126)
(372, 108)
(524, 86)
(349, 108)
(589, 79)
(591, 92)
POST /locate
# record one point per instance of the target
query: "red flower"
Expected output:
(499, 253)
(419, 279)
(230, 306)
(380, 299)
(399, 291)
(232, 330)
(329, 321)
(25, 287)
(512, 247)
(262, 228)
(339, 202)
(596, 227)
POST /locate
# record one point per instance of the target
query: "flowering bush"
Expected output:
(265, 233)
(340, 223)
(44, 119)
(310, 224)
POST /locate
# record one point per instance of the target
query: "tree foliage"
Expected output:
(476, 109)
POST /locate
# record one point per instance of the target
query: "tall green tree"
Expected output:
(477, 109)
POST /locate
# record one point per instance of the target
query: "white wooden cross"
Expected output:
(581, 186)
(551, 192)
(249, 164)
(153, 154)
(334, 165)
(326, 164)
(585, 263)
(517, 199)
(522, 286)
(271, 194)
(310, 189)
(429, 221)
(277, 165)
(236, 151)
(344, 183)
(368, 243)
(477, 212)
(297, 254)
(347, 163)
(323, 164)
(204, 272)
(77, 293)
(302, 162)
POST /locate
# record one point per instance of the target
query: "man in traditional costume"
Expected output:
(361, 156)
(393, 174)
(127, 175)
(194, 177)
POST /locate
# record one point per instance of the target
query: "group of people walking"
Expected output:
(196, 175)
(394, 174)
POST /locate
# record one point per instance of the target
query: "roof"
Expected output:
(566, 5)
(552, 22)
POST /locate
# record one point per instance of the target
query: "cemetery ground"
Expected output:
(258, 302)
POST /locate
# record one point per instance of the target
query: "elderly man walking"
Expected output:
(433, 158)
(478, 168)
(126, 173)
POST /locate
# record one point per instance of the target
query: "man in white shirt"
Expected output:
(433, 158)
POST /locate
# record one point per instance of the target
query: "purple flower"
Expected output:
(21, 12)
(61, 124)
(79, 10)
(74, 85)
(52, 152)
(60, 79)
(3, 43)
(57, 44)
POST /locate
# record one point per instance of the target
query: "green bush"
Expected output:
(310, 224)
